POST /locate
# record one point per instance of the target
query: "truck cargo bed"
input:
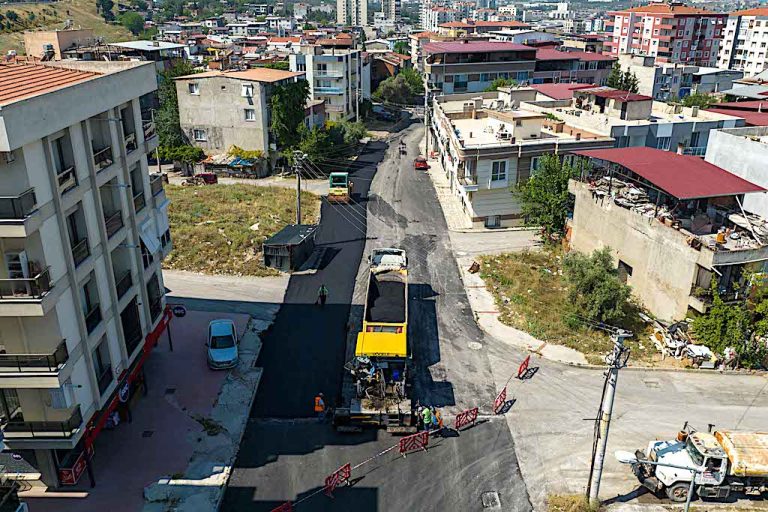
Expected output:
(386, 299)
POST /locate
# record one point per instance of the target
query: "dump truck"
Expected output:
(339, 187)
(380, 387)
(725, 461)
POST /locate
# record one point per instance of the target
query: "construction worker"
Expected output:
(322, 295)
(320, 405)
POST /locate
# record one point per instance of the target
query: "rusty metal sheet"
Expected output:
(747, 451)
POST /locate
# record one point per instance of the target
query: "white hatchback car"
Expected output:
(222, 345)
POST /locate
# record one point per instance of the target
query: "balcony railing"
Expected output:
(102, 158)
(156, 184)
(80, 251)
(124, 283)
(35, 362)
(104, 380)
(130, 142)
(18, 207)
(113, 222)
(26, 287)
(92, 318)
(67, 179)
(16, 429)
(138, 201)
(149, 129)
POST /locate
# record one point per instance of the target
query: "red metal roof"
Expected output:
(681, 176)
(560, 91)
(472, 47)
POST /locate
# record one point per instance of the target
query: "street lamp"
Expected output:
(626, 457)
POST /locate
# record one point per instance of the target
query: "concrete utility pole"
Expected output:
(298, 158)
(616, 361)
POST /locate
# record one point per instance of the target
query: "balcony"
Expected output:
(113, 222)
(92, 318)
(67, 179)
(102, 158)
(80, 251)
(329, 90)
(66, 429)
(16, 212)
(123, 283)
(130, 142)
(156, 184)
(35, 363)
(139, 202)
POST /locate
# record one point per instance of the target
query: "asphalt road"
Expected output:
(286, 456)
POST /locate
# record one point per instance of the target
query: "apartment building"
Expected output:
(487, 145)
(671, 32)
(352, 13)
(465, 66)
(745, 41)
(554, 66)
(674, 223)
(221, 109)
(665, 81)
(335, 76)
(83, 231)
(636, 119)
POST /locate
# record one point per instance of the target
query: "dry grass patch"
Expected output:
(220, 229)
(532, 295)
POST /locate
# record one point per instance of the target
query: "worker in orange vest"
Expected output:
(320, 405)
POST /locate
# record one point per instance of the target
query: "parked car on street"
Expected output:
(222, 345)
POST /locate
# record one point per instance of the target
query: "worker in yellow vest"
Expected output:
(320, 406)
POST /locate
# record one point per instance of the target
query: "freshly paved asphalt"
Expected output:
(285, 454)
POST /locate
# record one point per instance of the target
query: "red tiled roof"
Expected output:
(615, 94)
(681, 176)
(462, 47)
(664, 8)
(19, 81)
(560, 91)
(759, 11)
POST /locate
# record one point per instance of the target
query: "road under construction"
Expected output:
(286, 453)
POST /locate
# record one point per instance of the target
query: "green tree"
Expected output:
(501, 82)
(544, 195)
(133, 21)
(288, 103)
(594, 289)
(167, 116)
(700, 100)
(402, 48)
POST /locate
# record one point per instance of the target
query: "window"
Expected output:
(194, 88)
(247, 91)
(199, 135)
(663, 143)
(535, 164)
(250, 114)
(499, 171)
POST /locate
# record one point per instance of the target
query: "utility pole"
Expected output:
(616, 361)
(298, 158)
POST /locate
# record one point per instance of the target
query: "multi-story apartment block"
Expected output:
(464, 66)
(83, 229)
(745, 41)
(671, 32)
(353, 13)
(221, 109)
(334, 76)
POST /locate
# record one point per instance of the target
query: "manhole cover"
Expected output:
(490, 499)
(170, 391)
(147, 433)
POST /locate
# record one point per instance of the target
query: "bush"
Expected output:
(595, 291)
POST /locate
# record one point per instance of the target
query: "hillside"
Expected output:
(29, 16)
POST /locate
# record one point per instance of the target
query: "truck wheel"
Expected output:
(678, 492)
